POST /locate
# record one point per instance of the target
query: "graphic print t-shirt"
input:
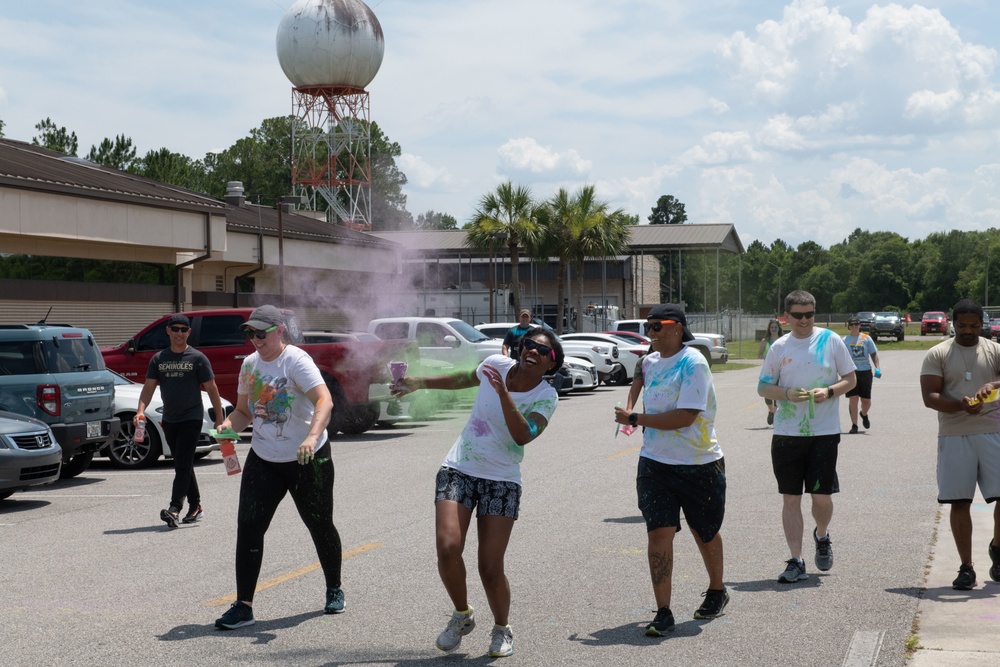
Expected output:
(680, 382)
(180, 375)
(861, 347)
(807, 363)
(282, 412)
(485, 447)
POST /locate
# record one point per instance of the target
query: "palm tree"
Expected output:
(505, 217)
(577, 227)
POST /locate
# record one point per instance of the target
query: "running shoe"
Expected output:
(966, 579)
(795, 571)
(334, 601)
(171, 517)
(865, 422)
(824, 552)
(501, 641)
(715, 602)
(194, 515)
(664, 621)
(995, 557)
(770, 418)
(460, 624)
(854, 429)
(238, 616)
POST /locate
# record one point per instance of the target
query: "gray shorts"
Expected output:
(487, 497)
(965, 460)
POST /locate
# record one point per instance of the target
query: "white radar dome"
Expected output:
(330, 43)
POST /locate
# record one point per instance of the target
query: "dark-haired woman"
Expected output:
(482, 472)
(774, 332)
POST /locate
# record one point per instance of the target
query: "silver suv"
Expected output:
(29, 454)
(56, 374)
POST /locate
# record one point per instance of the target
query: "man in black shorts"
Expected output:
(803, 372)
(865, 354)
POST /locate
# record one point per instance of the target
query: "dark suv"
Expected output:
(866, 317)
(55, 373)
(888, 324)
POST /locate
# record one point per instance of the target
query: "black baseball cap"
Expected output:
(671, 311)
(177, 318)
(264, 317)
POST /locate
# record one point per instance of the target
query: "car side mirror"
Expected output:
(130, 346)
(450, 340)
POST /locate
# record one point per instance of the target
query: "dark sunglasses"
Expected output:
(180, 329)
(657, 326)
(854, 324)
(260, 335)
(543, 350)
(811, 314)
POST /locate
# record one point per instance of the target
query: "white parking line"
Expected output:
(864, 649)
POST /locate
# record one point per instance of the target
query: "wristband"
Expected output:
(829, 392)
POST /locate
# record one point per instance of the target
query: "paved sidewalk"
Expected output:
(960, 627)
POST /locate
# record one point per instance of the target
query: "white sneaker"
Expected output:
(501, 641)
(460, 625)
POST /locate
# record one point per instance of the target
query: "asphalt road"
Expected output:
(91, 576)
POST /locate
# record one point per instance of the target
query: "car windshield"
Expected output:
(866, 315)
(468, 332)
(935, 316)
(886, 317)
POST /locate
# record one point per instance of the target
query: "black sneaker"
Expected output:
(864, 421)
(795, 570)
(238, 616)
(715, 602)
(995, 557)
(194, 515)
(854, 429)
(664, 621)
(966, 579)
(770, 418)
(170, 517)
(824, 552)
(334, 601)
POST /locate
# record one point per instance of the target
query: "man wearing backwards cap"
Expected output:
(181, 371)
(681, 465)
(804, 372)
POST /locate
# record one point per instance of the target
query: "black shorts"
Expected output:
(700, 490)
(487, 497)
(864, 386)
(806, 464)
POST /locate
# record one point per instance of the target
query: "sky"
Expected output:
(800, 121)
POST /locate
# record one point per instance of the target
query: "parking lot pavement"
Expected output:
(91, 576)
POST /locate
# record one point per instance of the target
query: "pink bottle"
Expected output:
(140, 430)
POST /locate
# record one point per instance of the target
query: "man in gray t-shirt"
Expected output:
(181, 371)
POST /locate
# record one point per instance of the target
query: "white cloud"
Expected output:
(420, 174)
(527, 155)
(721, 148)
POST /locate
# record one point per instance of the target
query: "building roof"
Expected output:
(26, 166)
(264, 219)
(643, 238)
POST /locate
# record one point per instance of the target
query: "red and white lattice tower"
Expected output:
(331, 50)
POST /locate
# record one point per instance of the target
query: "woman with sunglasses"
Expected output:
(774, 332)
(482, 473)
(282, 393)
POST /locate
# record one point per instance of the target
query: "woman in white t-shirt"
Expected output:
(482, 472)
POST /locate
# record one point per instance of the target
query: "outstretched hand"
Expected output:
(495, 379)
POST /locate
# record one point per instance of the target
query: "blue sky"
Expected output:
(800, 121)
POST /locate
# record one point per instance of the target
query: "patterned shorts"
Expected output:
(486, 496)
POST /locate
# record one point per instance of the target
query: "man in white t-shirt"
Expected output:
(681, 467)
(805, 372)
(957, 379)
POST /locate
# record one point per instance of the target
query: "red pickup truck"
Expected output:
(356, 371)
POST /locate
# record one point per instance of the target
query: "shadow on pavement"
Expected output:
(624, 519)
(263, 631)
(633, 634)
(814, 581)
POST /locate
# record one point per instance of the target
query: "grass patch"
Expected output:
(731, 366)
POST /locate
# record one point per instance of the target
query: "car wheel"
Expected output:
(125, 453)
(901, 337)
(359, 419)
(76, 465)
(621, 378)
(4, 495)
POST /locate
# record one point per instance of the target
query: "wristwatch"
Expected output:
(829, 392)
(633, 418)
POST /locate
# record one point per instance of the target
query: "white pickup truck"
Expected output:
(713, 346)
(603, 356)
(441, 338)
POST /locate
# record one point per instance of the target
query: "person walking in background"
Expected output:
(774, 332)
(681, 466)
(805, 372)
(482, 473)
(864, 353)
(181, 371)
(282, 393)
(511, 346)
(957, 379)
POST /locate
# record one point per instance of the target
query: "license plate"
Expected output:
(94, 429)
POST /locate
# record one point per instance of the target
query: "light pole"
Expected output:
(494, 238)
(780, 307)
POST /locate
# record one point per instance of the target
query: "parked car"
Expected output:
(604, 357)
(54, 373)
(442, 338)
(713, 346)
(888, 324)
(338, 336)
(125, 452)
(634, 338)
(582, 373)
(985, 331)
(995, 328)
(935, 321)
(866, 317)
(628, 352)
(29, 454)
